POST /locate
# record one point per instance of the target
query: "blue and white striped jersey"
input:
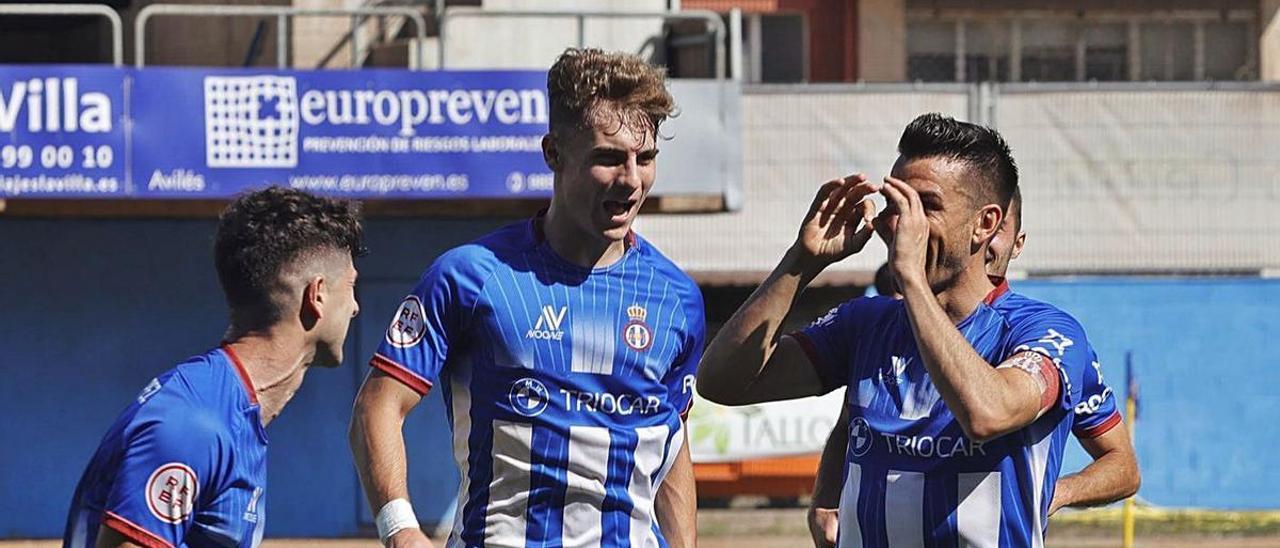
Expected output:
(912, 477)
(185, 464)
(565, 385)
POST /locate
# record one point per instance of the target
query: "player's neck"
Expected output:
(959, 300)
(275, 365)
(578, 246)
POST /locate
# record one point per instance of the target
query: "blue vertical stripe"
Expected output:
(547, 482)
(616, 511)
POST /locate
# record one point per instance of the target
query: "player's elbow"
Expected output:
(983, 427)
(713, 383)
(1132, 480)
(713, 391)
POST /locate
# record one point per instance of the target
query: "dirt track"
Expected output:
(759, 528)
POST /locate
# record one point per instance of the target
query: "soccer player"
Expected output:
(566, 346)
(959, 409)
(185, 464)
(1113, 474)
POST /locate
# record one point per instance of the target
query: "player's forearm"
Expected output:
(827, 486)
(1102, 482)
(1109, 478)
(676, 504)
(377, 445)
(736, 356)
(973, 390)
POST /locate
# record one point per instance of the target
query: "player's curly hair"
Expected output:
(262, 232)
(584, 84)
(982, 148)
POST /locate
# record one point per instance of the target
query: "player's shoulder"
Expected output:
(871, 307)
(861, 311)
(483, 255)
(663, 266)
(193, 402)
(1022, 312)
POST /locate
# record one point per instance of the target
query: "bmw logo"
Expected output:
(529, 397)
(860, 437)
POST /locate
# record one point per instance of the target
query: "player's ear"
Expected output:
(550, 154)
(989, 219)
(313, 299)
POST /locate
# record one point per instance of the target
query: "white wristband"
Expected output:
(394, 517)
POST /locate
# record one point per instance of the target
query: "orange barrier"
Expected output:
(775, 477)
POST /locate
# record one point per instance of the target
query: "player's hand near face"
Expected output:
(831, 230)
(907, 229)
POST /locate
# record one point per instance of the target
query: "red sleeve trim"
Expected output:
(825, 373)
(401, 373)
(807, 345)
(684, 415)
(134, 532)
(1053, 383)
(1099, 429)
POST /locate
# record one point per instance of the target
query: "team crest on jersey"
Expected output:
(409, 324)
(636, 333)
(529, 397)
(171, 492)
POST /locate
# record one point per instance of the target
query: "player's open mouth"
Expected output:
(617, 208)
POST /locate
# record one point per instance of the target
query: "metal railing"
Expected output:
(282, 14)
(117, 27)
(350, 38)
(710, 17)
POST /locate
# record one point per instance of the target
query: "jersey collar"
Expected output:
(1002, 287)
(243, 374)
(540, 236)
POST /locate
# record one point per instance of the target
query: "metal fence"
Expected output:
(1117, 178)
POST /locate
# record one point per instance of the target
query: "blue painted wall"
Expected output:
(1208, 375)
(91, 310)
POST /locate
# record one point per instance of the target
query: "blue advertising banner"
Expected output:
(368, 133)
(211, 133)
(62, 132)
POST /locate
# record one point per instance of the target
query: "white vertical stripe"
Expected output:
(1039, 462)
(648, 457)
(978, 514)
(588, 468)
(850, 529)
(904, 508)
(504, 522)
(673, 449)
(593, 343)
(460, 398)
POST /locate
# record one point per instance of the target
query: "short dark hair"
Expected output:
(261, 232)
(1015, 209)
(884, 283)
(983, 149)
